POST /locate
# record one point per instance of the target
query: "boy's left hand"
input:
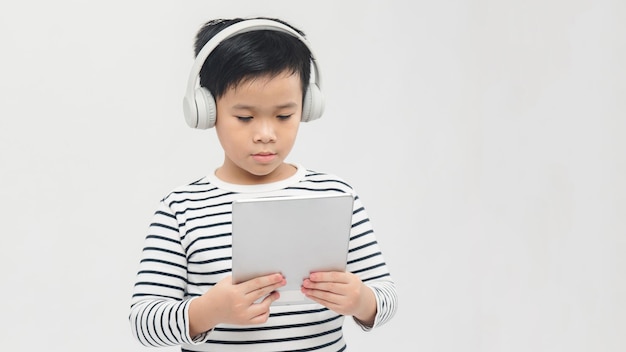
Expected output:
(343, 293)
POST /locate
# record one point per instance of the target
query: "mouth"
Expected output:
(264, 157)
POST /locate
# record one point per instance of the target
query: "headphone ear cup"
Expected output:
(313, 105)
(206, 108)
(190, 111)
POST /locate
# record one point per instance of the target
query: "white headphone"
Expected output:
(199, 105)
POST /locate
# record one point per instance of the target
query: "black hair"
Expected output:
(251, 55)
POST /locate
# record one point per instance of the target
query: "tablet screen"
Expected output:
(292, 235)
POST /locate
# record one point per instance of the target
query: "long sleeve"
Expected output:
(159, 309)
(366, 260)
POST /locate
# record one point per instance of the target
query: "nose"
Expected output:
(264, 133)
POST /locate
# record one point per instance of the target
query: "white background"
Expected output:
(486, 138)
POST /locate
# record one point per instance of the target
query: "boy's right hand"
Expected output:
(234, 304)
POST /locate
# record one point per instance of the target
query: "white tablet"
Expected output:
(292, 235)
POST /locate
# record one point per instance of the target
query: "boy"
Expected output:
(259, 82)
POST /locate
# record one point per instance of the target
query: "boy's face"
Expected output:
(257, 123)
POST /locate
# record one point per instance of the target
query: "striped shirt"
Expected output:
(188, 250)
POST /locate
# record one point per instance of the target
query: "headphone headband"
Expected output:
(195, 107)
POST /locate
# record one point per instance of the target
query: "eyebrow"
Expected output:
(250, 107)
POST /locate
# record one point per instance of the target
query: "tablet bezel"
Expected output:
(263, 240)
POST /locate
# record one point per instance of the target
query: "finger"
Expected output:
(271, 298)
(262, 281)
(261, 311)
(259, 316)
(325, 298)
(329, 276)
(332, 287)
(265, 290)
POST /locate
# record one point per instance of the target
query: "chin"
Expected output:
(263, 171)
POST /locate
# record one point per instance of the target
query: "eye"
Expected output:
(244, 118)
(284, 117)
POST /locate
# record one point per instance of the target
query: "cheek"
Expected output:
(293, 128)
(229, 140)
(289, 135)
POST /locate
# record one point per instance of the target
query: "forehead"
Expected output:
(261, 93)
